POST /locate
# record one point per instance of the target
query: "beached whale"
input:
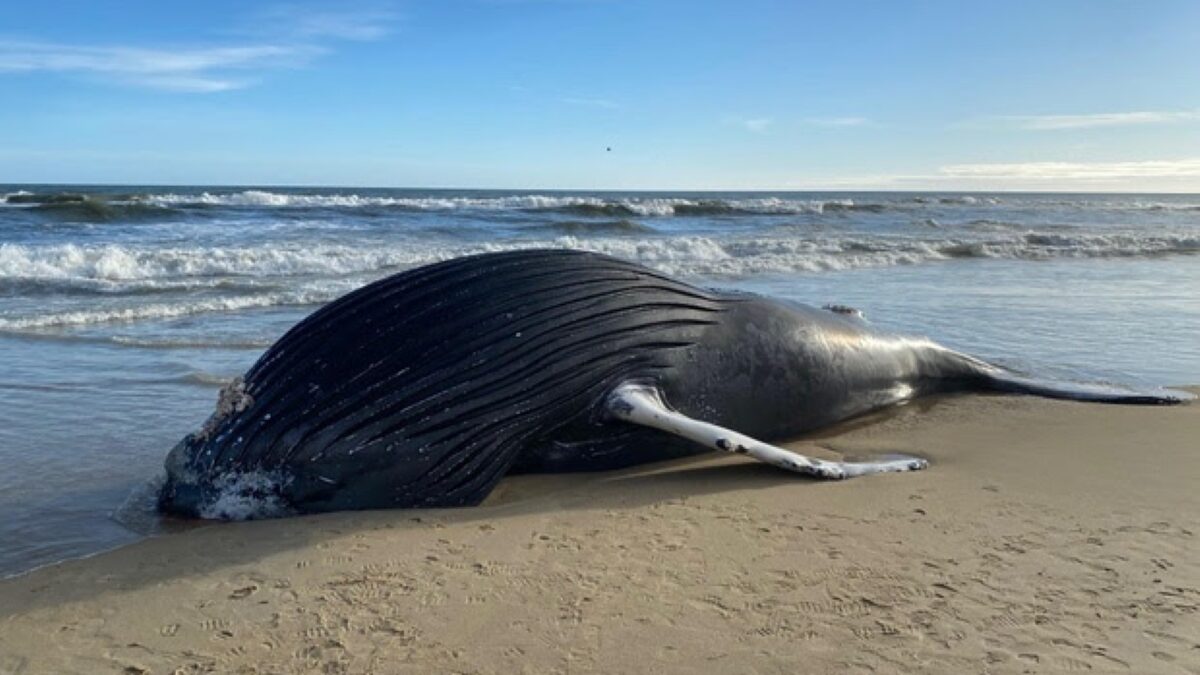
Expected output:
(425, 388)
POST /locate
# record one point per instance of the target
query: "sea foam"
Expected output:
(582, 205)
(696, 255)
(239, 278)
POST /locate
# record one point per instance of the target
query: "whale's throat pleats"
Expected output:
(421, 389)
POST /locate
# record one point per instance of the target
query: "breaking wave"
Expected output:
(251, 268)
(622, 226)
(189, 266)
(85, 208)
(593, 206)
(84, 317)
(268, 276)
(99, 207)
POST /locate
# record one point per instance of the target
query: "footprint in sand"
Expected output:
(214, 624)
(852, 608)
(1069, 664)
(863, 632)
(433, 599)
(243, 592)
(317, 632)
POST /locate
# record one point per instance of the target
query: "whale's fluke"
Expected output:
(1013, 383)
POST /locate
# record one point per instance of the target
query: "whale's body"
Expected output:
(425, 388)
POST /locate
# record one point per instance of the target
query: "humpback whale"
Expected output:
(425, 388)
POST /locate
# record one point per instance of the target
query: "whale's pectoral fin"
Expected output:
(641, 404)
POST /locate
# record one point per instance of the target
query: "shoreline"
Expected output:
(1047, 535)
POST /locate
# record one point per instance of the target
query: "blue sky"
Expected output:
(1043, 95)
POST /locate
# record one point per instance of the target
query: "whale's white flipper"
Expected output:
(641, 404)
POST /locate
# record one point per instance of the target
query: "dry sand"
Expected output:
(1047, 536)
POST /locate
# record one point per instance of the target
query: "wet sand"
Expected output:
(1047, 536)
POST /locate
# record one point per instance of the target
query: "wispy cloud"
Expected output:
(310, 22)
(837, 121)
(204, 69)
(591, 102)
(1091, 121)
(757, 125)
(1142, 175)
(1075, 171)
(297, 36)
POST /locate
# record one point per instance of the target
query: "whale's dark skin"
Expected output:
(425, 388)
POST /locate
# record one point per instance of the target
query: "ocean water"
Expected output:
(124, 309)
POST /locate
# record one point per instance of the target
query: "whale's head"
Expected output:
(205, 480)
(184, 493)
(193, 491)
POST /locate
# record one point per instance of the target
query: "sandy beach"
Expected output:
(269, 258)
(1047, 536)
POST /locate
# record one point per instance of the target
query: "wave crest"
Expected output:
(267, 276)
(89, 208)
(251, 268)
(595, 206)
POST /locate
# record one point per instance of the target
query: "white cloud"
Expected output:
(1166, 175)
(184, 83)
(289, 36)
(837, 121)
(757, 125)
(1096, 120)
(204, 69)
(1075, 171)
(28, 56)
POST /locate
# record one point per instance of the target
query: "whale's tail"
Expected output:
(1000, 379)
(980, 375)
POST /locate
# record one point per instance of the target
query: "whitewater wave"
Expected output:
(167, 266)
(187, 343)
(169, 310)
(251, 268)
(103, 207)
(571, 204)
(1164, 206)
(102, 287)
(317, 274)
(968, 200)
(49, 333)
(249, 495)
